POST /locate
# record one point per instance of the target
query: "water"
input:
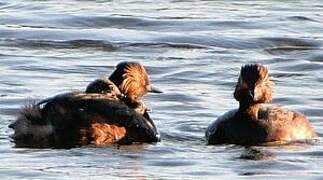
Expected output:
(193, 51)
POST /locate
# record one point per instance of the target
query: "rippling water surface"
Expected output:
(193, 51)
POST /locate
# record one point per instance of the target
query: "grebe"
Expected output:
(254, 122)
(109, 112)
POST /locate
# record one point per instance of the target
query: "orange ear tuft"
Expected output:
(131, 79)
(254, 84)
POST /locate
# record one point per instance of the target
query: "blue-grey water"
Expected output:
(193, 50)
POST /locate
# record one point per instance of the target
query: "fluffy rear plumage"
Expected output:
(31, 128)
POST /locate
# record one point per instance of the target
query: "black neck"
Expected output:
(244, 106)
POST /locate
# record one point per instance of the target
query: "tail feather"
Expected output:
(30, 128)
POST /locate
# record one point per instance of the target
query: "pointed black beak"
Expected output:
(153, 89)
(250, 94)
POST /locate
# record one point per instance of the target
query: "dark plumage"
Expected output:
(102, 115)
(254, 122)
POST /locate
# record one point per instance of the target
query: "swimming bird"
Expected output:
(128, 84)
(108, 112)
(254, 122)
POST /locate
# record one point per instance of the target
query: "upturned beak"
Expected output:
(152, 89)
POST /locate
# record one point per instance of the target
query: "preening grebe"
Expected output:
(110, 111)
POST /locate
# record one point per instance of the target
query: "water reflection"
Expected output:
(254, 153)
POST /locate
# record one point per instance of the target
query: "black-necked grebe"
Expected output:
(128, 83)
(254, 122)
(110, 111)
